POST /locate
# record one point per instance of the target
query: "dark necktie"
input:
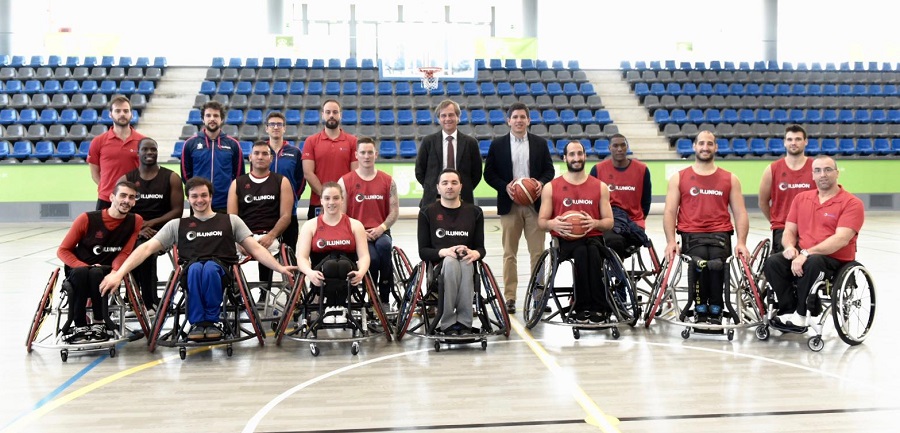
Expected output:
(451, 155)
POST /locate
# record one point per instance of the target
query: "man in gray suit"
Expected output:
(517, 155)
(448, 148)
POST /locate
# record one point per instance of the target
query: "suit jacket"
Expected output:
(498, 171)
(430, 163)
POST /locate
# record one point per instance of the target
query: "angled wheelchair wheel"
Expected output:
(758, 257)
(620, 289)
(246, 300)
(412, 297)
(853, 303)
(402, 271)
(298, 293)
(133, 291)
(749, 288)
(165, 304)
(659, 291)
(539, 287)
(494, 299)
(43, 310)
(376, 308)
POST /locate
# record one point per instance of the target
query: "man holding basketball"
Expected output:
(628, 181)
(518, 155)
(697, 204)
(580, 237)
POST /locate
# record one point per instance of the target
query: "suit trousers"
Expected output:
(520, 219)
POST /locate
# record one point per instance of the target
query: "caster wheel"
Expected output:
(64, 355)
(815, 343)
(229, 351)
(313, 349)
(576, 333)
(182, 352)
(762, 332)
(112, 352)
(437, 346)
(686, 333)
(483, 344)
(730, 334)
(275, 325)
(615, 333)
(354, 348)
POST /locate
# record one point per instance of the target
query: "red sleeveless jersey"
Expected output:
(585, 197)
(626, 187)
(334, 238)
(786, 184)
(368, 201)
(704, 202)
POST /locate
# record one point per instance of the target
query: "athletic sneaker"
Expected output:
(197, 332)
(597, 317)
(212, 332)
(715, 312)
(583, 316)
(99, 333)
(79, 335)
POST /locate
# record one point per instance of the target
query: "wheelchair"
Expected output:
(847, 294)
(273, 295)
(128, 314)
(238, 314)
(643, 267)
(744, 305)
(543, 287)
(307, 317)
(420, 311)
(403, 270)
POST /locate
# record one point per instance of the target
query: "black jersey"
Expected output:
(154, 195)
(441, 227)
(101, 245)
(213, 238)
(259, 204)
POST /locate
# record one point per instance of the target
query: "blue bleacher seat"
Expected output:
(13, 87)
(535, 117)
(641, 89)
(424, 117)
(127, 87)
(262, 88)
(705, 89)
(292, 117)
(22, 149)
(776, 146)
(142, 62)
(862, 116)
(586, 89)
(367, 88)
(386, 117)
(478, 117)
(254, 117)
(495, 64)
(27, 116)
(542, 65)
(712, 115)
(52, 87)
(243, 88)
(464, 117)
(225, 88)
(537, 89)
(527, 65)
(284, 63)
(889, 90)
(235, 62)
(125, 62)
(555, 89)
(601, 148)
(384, 88)
(65, 150)
(206, 88)
(740, 147)
(302, 64)
(89, 61)
(689, 89)
(388, 149)
(351, 63)
(504, 89)
(678, 116)
(470, 88)
(348, 117)
(724, 147)
(695, 115)
(684, 147)
(218, 62)
(43, 150)
(234, 117)
(246, 148)
(846, 146)
(588, 147)
(882, 146)
(366, 117)
(32, 87)
(297, 88)
(878, 116)
(85, 146)
(845, 116)
(484, 146)
(68, 116)
(72, 62)
(603, 117)
(585, 116)
(758, 146)
(521, 89)
(453, 88)
(314, 88)
(89, 117)
(829, 146)
(280, 88)
(268, 62)
(560, 146)
(194, 117)
(728, 66)
(510, 64)
(49, 116)
(864, 146)
(796, 116)
(405, 117)
(550, 117)
(334, 63)
(571, 89)
(401, 88)
(661, 116)
(108, 87)
(408, 149)
(496, 117)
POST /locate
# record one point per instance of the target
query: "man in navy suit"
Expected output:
(517, 155)
(448, 148)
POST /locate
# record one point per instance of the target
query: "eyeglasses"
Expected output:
(275, 125)
(826, 170)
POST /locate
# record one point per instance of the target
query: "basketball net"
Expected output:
(429, 79)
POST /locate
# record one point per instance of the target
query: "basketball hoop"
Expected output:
(429, 80)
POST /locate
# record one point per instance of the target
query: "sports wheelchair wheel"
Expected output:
(660, 288)
(620, 289)
(539, 286)
(412, 299)
(402, 271)
(43, 310)
(494, 299)
(758, 257)
(853, 303)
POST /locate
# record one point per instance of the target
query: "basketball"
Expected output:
(574, 217)
(526, 191)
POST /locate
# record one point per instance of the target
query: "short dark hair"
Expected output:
(332, 100)
(146, 140)
(795, 128)
(275, 114)
(365, 139)
(214, 105)
(118, 99)
(261, 143)
(126, 184)
(335, 185)
(450, 170)
(514, 107)
(195, 182)
(566, 147)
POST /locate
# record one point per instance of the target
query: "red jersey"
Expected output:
(332, 158)
(704, 202)
(114, 157)
(786, 184)
(79, 232)
(585, 197)
(368, 201)
(338, 237)
(817, 221)
(626, 187)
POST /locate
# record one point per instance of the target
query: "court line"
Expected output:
(595, 416)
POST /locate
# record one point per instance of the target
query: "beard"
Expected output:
(212, 127)
(331, 124)
(570, 166)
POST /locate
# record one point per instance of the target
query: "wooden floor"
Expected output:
(649, 380)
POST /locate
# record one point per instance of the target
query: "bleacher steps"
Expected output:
(167, 111)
